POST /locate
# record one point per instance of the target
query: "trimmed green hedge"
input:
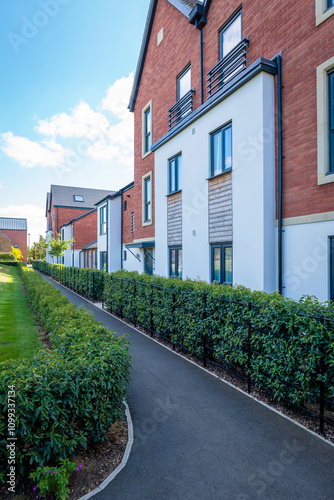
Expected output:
(87, 282)
(69, 396)
(8, 263)
(287, 337)
(5, 257)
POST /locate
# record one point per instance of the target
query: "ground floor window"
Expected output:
(95, 259)
(331, 268)
(103, 261)
(221, 263)
(175, 262)
(87, 263)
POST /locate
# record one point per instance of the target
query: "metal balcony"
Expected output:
(227, 68)
(180, 109)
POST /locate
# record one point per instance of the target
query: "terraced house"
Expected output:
(234, 144)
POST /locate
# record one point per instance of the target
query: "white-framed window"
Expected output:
(147, 129)
(184, 82)
(147, 199)
(323, 10)
(325, 121)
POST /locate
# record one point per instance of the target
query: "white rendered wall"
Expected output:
(67, 253)
(115, 234)
(306, 260)
(131, 263)
(251, 110)
(101, 239)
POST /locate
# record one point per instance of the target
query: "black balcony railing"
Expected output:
(180, 109)
(227, 68)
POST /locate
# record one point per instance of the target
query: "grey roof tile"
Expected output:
(63, 196)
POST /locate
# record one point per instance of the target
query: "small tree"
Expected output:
(17, 253)
(57, 247)
(38, 250)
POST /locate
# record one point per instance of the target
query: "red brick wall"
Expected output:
(129, 197)
(272, 27)
(85, 230)
(63, 215)
(19, 238)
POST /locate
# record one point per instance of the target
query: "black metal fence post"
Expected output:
(322, 384)
(134, 303)
(151, 310)
(249, 338)
(172, 331)
(203, 331)
(122, 298)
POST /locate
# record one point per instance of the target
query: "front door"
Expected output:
(148, 261)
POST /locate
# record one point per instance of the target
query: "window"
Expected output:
(230, 35)
(62, 234)
(148, 138)
(78, 197)
(325, 122)
(16, 245)
(103, 261)
(124, 255)
(323, 10)
(184, 82)
(221, 150)
(147, 199)
(331, 120)
(175, 262)
(331, 268)
(175, 174)
(103, 219)
(221, 263)
(125, 205)
(147, 129)
(87, 255)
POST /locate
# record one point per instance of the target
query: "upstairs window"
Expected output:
(103, 219)
(148, 138)
(147, 199)
(175, 174)
(184, 82)
(78, 197)
(147, 129)
(231, 34)
(221, 150)
(331, 120)
(330, 3)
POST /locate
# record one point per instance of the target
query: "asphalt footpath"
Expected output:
(195, 437)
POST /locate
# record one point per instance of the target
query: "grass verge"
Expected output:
(19, 337)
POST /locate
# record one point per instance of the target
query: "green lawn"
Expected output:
(19, 337)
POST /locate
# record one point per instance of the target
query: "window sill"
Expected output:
(328, 178)
(174, 192)
(147, 223)
(322, 15)
(221, 173)
(144, 155)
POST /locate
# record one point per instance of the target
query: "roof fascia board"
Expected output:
(142, 53)
(254, 69)
(179, 5)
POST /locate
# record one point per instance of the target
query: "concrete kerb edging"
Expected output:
(123, 462)
(205, 370)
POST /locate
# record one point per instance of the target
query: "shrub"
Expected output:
(6, 257)
(69, 396)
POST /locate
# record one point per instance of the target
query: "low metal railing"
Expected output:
(180, 109)
(227, 68)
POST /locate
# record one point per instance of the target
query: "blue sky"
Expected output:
(66, 75)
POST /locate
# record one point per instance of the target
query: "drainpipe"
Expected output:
(201, 42)
(107, 236)
(122, 202)
(280, 160)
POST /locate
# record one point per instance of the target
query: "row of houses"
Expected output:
(234, 148)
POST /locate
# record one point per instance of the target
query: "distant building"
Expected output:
(13, 232)
(83, 230)
(66, 203)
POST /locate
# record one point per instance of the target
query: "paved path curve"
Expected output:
(198, 438)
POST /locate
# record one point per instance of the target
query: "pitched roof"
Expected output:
(3, 234)
(90, 246)
(184, 6)
(9, 223)
(63, 196)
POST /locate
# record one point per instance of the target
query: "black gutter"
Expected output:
(280, 160)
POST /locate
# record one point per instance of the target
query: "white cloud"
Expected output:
(104, 141)
(46, 153)
(1, 186)
(118, 96)
(34, 215)
(81, 122)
